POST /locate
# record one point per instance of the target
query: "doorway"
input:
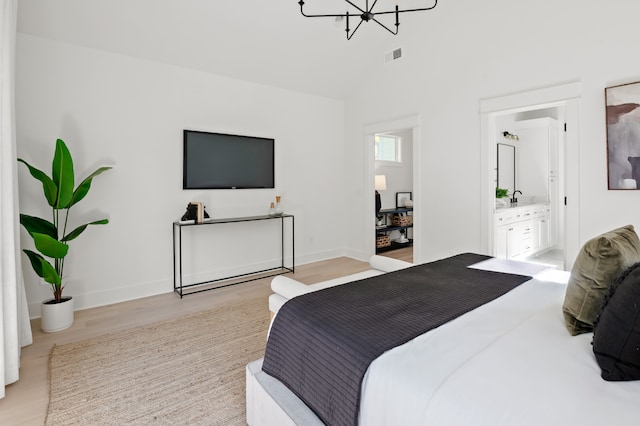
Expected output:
(407, 129)
(561, 100)
(530, 148)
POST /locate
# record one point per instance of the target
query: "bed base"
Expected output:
(270, 403)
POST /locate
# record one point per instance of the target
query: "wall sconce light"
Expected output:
(508, 135)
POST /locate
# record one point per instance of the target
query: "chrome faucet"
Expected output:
(513, 197)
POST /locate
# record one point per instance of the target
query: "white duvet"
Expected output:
(509, 362)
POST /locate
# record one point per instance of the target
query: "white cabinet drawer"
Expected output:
(505, 217)
(527, 245)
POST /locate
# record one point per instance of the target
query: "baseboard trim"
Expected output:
(154, 288)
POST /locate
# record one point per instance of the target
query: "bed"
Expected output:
(508, 361)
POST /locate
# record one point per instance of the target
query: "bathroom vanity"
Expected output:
(523, 231)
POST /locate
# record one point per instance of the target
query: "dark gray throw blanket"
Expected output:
(321, 343)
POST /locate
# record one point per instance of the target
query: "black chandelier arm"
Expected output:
(306, 15)
(358, 7)
(376, 21)
(397, 24)
(354, 31)
(435, 3)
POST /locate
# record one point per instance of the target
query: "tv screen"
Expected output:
(221, 161)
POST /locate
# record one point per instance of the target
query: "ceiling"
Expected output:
(267, 42)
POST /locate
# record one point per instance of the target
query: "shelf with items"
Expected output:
(394, 246)
(399, 219)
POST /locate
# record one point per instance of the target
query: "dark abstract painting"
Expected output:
(623, 135)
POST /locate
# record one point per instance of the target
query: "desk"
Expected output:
(185, 289)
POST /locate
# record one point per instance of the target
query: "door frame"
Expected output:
(567, 95)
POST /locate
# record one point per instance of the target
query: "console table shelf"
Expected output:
(384, 230)
(185, 289)
(394, 246)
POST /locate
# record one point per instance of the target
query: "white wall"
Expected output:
(128, 112)
(469, 51)
(533, 158)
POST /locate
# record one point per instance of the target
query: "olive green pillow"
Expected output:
(599, 262)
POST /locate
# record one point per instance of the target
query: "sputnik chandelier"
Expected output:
(366, 14)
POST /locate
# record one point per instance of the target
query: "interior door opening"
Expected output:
(393, 186)
(530, 152)
(393, 181)
(508, 115)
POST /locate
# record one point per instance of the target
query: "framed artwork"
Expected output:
(402, 198)
(623, 135)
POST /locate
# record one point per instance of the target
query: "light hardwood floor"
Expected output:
(405, 253)
(26, 400)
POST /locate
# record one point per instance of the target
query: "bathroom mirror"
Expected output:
(506, 167)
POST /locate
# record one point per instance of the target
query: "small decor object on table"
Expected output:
(403, 199)
(278, 207)
(51, 239)
(199, 211)
(272, 209)
(196, 211)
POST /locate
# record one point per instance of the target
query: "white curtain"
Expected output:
(15, 329)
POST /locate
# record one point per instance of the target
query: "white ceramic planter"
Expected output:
(56, 316)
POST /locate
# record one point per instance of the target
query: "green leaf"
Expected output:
(50, 246)
(84, 187)
(80, 229)
(48, 185)
(37, 225)
(43, 268)
(63, 175)
(60, 194)
(502, 192)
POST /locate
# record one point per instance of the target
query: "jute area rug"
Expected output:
(187, 371)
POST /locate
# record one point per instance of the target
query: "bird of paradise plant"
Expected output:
(50, 237)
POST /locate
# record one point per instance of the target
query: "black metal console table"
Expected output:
(186, 289)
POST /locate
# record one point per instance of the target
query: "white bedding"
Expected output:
(509, 362)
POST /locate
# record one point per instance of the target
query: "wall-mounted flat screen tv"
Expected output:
(221, 161)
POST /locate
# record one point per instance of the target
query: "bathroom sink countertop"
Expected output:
(516, 205)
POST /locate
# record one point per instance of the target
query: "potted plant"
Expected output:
(501, 195)
(52, 239)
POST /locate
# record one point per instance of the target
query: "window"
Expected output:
(387, 148)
